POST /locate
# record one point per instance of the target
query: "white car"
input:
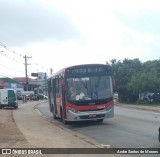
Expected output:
(44, 96)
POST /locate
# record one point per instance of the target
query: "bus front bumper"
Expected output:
(90, 115)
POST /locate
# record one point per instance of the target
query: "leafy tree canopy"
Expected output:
(132, 77)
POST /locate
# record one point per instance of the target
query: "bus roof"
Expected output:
(74, 66)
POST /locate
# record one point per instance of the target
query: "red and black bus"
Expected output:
(81, 92)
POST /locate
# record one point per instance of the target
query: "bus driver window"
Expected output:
(72, 93)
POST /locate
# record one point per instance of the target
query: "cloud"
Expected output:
(65, 33)
(24, 22)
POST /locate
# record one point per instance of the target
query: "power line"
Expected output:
(11, 68)
(13, 59)
(10, 50)
(40, 65)
(18, 54)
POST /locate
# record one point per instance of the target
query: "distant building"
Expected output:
(41, 79)
(6, 82)
(33, 85)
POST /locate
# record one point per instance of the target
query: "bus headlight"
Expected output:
(73, 110)
(108, 108)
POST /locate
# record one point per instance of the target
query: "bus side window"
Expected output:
(52, 85)
(60, 85)
(57, 84)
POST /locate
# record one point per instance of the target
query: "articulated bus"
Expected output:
(81, 92)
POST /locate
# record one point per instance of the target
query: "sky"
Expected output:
(62, 33)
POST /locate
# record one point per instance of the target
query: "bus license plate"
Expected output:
(92, 115)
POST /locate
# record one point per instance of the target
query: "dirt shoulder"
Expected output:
(10, 135)
(149, 107)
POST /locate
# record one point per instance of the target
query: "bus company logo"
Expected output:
(100, 107)
(6, 151)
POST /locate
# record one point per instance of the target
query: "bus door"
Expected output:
(53, 92)
(58, 96)
(63, 96)
(49, 94)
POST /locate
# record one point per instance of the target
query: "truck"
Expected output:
(8, 98)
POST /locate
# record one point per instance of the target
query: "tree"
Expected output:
(144, 82)
(122, 73)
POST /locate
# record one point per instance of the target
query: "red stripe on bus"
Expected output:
(83, 108)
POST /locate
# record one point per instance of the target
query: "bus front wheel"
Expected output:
(62, 117)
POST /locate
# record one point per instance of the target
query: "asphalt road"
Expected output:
(130, 128)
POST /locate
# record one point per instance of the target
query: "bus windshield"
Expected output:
(89, 88)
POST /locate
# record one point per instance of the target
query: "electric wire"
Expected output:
(20, 55)
(11, 68)
(13, 59)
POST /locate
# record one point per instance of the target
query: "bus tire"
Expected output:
(100, 120)
(54, 115)
(63, 119)
(65, 122)
(0, 107)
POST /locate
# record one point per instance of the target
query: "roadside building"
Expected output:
(33, 85)
(41, 78)
(6, 82)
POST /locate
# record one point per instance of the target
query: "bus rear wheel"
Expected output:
(54, 115)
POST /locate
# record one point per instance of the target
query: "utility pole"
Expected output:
(46, 82)
(51, 71)
(26, 57)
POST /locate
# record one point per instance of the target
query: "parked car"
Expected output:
(42, 96)
(35, 97)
